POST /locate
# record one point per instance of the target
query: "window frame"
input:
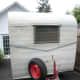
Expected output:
(6, 44)
(44, 42)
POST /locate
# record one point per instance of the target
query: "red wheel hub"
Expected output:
(35, 71)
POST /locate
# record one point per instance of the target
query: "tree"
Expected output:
(76, 13)
(43, 6)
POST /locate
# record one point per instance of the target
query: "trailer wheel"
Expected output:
(37, 69)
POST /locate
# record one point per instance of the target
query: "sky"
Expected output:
(57, 6)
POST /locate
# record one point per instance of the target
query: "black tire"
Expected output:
(42, 67)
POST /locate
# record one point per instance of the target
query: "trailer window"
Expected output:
(6, 45)
(46, 34)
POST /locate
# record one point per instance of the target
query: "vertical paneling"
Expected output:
(77, 64)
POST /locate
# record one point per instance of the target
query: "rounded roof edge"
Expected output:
(23, 18)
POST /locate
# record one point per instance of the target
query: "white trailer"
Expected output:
(41, 36)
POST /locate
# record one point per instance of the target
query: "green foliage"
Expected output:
(1, 55)
(76, 13)
(44, 6)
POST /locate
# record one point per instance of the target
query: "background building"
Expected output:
(4, 36)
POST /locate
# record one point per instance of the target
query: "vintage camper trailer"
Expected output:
(36, 39)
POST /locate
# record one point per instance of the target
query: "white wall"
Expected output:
(4, 18)
(1, 43)
(4, 23)
(68, 26)
(68, 33)
(21, 35)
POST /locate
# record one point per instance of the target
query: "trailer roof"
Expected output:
(23, 18)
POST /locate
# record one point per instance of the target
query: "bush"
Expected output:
(76, 13)
(1, 56)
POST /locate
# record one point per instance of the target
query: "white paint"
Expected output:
(4, 23)
(67, 23)
(4, 17)
(20, 27)
(65, 59)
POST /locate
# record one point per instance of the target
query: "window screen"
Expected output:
(46, 34)
(6, 44)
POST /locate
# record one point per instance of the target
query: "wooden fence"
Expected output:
(77, 63)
